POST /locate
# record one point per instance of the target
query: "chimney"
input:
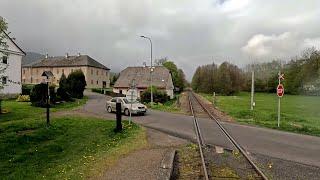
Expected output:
(67, 55)
(47, 56)
(79, 54)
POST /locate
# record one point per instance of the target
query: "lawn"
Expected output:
(298, 113)
(71, 148)
(24, 110)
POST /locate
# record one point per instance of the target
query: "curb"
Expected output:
(166, 166)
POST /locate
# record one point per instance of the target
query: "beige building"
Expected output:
(96, 74)
(161, 78)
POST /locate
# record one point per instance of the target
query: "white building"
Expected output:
(161, 78)
(10, 64)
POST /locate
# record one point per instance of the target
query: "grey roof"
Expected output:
(161, 77)
(70, 61)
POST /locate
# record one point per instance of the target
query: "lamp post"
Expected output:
(151, 68)
(48, 74)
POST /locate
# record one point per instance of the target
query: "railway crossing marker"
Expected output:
(280, 93)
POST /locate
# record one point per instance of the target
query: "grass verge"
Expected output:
(71, 148)
(299, 114)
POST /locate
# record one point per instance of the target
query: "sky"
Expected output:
(188, 32)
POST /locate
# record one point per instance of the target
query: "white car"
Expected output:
(137, 108)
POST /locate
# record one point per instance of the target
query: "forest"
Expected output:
(301, 73)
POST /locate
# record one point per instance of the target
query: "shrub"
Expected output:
(23, 98)
(75, 84)
(26, 89)
(62, 93)
(158, 96)
(38, 95)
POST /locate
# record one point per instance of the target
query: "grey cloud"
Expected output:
(189, 32)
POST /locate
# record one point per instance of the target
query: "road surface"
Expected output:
(276, 144)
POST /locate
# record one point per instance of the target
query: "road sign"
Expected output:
(132, 95)
(280, 90)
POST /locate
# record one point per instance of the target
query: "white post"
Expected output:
(131, 106)
(214, 97)
(252, 87)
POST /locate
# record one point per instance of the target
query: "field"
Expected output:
(299, 114)
(71, 148)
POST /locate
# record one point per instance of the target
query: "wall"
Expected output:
(13, 72)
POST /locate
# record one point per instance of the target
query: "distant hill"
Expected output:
(31, 57)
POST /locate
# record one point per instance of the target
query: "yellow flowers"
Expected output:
(23, 98)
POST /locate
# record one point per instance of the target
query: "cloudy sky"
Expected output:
(189, 32)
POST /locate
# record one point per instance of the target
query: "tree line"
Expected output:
(302, 76)
(225, 79)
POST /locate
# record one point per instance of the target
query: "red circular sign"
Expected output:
(280, 90)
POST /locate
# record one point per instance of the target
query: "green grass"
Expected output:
(72, 148)
(169, 106)
(299, 114)
(24, 110)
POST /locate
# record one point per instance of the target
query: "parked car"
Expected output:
(137, 107)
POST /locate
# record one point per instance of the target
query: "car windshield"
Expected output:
(126, 101)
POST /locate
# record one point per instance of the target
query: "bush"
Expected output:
(75, 84)
(23, 98)
(38, 95)
(158, 96)
(26, 89)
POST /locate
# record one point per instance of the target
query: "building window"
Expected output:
(97, 72)
(97, 82)
(5, 60)
(4, 80)
(91, 81)
(91, 71)
(24, 71)
(57, 71)
(62, 71)
(107, 73)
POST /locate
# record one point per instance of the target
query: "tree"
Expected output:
(113, 78)
(63, 87)
(76, 84)
(3, 45)
(178, 76)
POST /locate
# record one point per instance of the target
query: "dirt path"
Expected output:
(145, 163)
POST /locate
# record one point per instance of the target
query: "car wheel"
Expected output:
(126, 112)
(109, 109)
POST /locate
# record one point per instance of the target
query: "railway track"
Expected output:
(196, 106)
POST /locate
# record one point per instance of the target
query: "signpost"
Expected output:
(280, 93)
(131, 96)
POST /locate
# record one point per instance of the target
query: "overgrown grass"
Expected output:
(169, 106)
(299, 114)
(72, 148)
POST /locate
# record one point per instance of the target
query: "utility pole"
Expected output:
(252, 87)
(279, 99)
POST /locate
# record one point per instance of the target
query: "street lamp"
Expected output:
(151, 68)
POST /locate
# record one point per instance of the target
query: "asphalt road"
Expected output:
(276, 144)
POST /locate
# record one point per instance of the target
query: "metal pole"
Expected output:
(131, 106)
(151, 70)
(252, 87)
(48, 99)
(151, 66)
(279, 101)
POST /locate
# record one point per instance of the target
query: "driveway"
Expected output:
(276, 144)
